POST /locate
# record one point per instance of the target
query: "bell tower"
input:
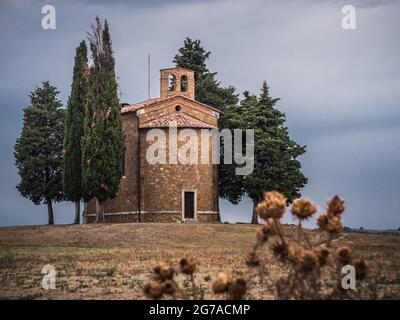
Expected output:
(176, 82)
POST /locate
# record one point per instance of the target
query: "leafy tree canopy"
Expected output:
(38, 150)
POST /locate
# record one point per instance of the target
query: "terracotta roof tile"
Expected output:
(139, 105)
(177, 119)
(149, 102)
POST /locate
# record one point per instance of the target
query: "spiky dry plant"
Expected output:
(314, 270)
(310, 265)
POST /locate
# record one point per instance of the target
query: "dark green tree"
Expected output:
(276, 166)
(38, 150)
(208, 90)
(73, 133)
(103, 141)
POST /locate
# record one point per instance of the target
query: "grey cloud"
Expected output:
(339, 89)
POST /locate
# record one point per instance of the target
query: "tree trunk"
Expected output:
(77, 211)
(254, 218)
(99, 211)
(50, 212)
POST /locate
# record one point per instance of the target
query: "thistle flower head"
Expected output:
(335, 207)
(322, 221)
(153, 290)
(295, 253)
(273, 205)
(164, 271)
(343, 255)
(331, 224)
(322, 254)
(361, 267)
(238, 288)
(309, 261)
(168, 287)
(334, 225)
(221, 283)
(252, 259)
(303, 208)
(280, 251)
(187, 265)
(263, 233)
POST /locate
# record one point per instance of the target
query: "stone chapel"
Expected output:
(169, 192)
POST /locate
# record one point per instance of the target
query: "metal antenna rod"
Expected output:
(148, 75)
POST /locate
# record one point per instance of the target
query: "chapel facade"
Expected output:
(151, 191)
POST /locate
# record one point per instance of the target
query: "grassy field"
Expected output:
(114, 261)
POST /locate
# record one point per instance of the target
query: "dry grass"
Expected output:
(113, 261)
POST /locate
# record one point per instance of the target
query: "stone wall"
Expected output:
(152, 217)
(164, 188)
(161, 185)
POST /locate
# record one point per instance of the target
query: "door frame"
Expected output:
(194, 204)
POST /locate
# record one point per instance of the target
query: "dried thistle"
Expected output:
(323, 221)
(307, 271)
(330, 224)
(221, 283)
(164, 271)
(334, 225)
(295, 253)
(273, 205)
(168, 287)
(263, 233)
(187, 265)
(303, 208)
(322, 254)
(153, 290)
(280, 251)
(335, 207)
(309, 261)
(237, 288)
(343, 255)
(252, 259)
(361, 267)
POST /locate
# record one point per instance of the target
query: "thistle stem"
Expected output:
(278, 229)
(299, 231)
(328, 242)
(306, 237)
(194, 288)
(184, 296)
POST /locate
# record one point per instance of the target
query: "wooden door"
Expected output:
(189, 205)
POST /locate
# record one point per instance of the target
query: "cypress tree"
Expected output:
(103, 141)
(73, 133)
(276, 167)
(38, 150)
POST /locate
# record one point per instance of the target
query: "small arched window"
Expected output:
(171, 82)
(184, 83)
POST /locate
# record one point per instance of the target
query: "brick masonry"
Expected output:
(161, 185)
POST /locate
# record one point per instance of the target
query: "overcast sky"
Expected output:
(340, 89)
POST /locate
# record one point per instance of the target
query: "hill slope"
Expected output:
(113, 261)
